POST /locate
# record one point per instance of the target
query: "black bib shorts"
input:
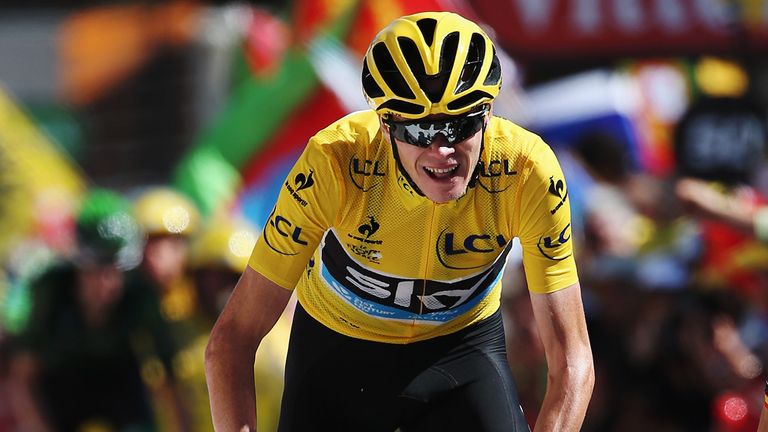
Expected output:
(457, 382)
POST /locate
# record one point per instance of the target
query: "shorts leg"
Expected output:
(472, 388)
(334, 382)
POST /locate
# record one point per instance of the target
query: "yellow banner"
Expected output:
(39, 186)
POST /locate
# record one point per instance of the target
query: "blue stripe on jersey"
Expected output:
(388, 296)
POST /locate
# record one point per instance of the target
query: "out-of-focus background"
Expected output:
(142, 145)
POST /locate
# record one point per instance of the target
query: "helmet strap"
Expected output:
(400, 165)
(476, 172)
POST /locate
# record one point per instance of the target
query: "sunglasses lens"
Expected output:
(421, 134)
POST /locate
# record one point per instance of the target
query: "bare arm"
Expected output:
(252, 310)
(763, 427)
(706, 201)
(571, 375)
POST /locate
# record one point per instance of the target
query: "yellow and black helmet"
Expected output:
(430, 63)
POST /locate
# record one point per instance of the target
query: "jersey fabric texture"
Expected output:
(372, 259)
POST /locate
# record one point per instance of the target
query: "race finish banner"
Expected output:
(546, 29)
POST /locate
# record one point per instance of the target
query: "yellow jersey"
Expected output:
(372, 259)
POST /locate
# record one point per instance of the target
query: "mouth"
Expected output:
(442, 173)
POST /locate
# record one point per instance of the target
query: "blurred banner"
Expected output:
(287, 92)
(102, 46)
(37, 183)
(552, 29)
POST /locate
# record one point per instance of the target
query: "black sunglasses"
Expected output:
(421, 133)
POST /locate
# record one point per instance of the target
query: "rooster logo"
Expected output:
(556, 188)
(368, 229)
(302, 182)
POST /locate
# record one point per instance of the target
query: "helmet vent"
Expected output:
(370, 87)
(427, 27)
(401, 107)
(469, 100)
(472, 64)
(494, 73)
(390, 73)
(448, 51)
(433, 85)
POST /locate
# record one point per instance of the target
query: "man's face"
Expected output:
(441, 171)
(100, 286)
(165, 257)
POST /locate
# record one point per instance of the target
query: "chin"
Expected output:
(446, 195)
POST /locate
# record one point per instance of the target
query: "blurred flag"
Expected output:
(243, 158)
(38, 184)
(100, 47)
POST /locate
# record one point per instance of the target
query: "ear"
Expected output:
(488, 115)
(384, 128)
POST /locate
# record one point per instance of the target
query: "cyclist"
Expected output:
(393, 229)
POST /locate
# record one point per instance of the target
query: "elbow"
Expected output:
(220, 347)
(212, 350)
(576, 373)
(587, 376)
(227, 348)
(581, 374)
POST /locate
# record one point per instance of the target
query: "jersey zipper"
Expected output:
(427, 254)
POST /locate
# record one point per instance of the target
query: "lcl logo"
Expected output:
(547, 244)
(278, 225)
(495, 176)
(496, 168)
(361, 170)
(450, 244)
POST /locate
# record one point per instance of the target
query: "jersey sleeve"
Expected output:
(305, 209)
(544, 224)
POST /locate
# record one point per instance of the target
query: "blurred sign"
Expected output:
(571, 28)
(721, 139)
(597, 102)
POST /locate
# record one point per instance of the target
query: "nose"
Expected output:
(440, 144)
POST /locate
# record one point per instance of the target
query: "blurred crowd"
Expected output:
(108, 332)
(673, 272)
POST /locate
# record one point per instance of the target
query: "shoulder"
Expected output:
(353, 130)
(334, 146)
(511, 137)
(509, 141)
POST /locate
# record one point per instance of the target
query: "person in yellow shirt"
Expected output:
(393, 229)
(217, 257)
(169, 220)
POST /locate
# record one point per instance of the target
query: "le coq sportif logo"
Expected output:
(368, 229)
(303, 181)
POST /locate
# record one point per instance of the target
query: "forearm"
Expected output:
(251, 312)
(229, 375)
(566, 399)
(763, 427)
